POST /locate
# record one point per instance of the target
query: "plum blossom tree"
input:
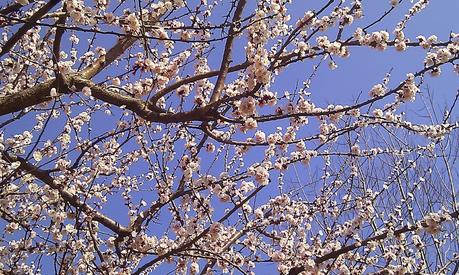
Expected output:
(146, 137)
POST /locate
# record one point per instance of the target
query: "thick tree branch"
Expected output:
(34, 95)
(10, 8)
(41, 93)
(226, 58)
(27, 26)
(114, 53)
(138, 106)
(58, 37)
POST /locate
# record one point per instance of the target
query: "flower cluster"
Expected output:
(409, 89)
(377, 40)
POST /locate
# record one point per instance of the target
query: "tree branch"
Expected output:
(10, 8)
(192, 79)
(66, 195)
(40, 93)
(27, 26)
(335, 254)
(114, 53)
(226, 59)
